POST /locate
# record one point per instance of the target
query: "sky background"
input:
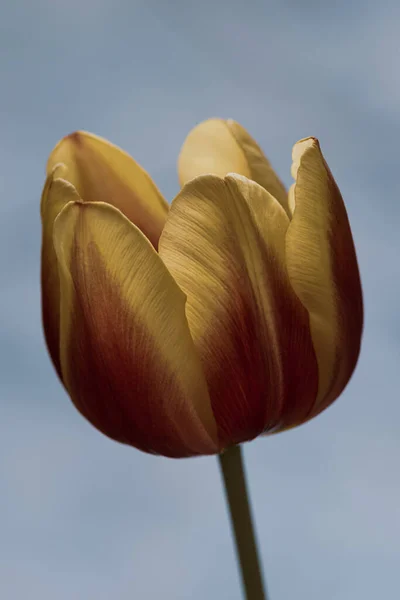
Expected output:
(83, 518)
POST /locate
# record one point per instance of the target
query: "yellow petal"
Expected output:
(56, 194)
(224, 243)
(323, 269)
(127, 357)
(220, 147)
(102, 172)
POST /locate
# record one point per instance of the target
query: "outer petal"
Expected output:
(323, 269)
(127, 357)
(221, 147)
(224, 243)
(56, 194)
(102, 172)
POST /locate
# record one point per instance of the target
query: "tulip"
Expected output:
(184, 330)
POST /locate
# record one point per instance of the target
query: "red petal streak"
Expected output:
(115, 373)
(252, 332)
(260, 378)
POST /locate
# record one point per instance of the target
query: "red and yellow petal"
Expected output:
(224, 243)
(323, 270)
(127, 357)
(56, 194)
(102, 172)
(219, 147)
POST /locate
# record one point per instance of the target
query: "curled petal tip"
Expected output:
(298, 151)
(307, 141)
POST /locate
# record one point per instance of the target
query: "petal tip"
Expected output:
(75, 137)
(304, 144)
(299, 149)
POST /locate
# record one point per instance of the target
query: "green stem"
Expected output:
(232, 469)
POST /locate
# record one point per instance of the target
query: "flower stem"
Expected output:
(232, 469)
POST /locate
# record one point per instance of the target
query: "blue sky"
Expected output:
(85, 518)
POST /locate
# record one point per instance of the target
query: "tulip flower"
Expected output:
(186, 329)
